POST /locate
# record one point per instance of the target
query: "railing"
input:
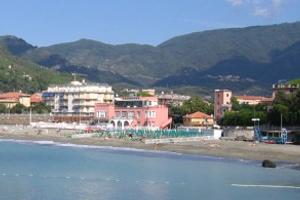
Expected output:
(157, 134)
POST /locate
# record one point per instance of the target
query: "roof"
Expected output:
(13, 95)
(252, 98)
(36, 98)
(197, 115)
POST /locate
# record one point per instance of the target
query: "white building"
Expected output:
(77, 98)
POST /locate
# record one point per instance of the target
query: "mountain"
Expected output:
(247, 60)
(136, 62)
(15, 46)
(20, 74)
(240, 73)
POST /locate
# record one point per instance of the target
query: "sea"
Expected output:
(47, 170)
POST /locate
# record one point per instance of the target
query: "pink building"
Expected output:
(222, 103)
(139, 112)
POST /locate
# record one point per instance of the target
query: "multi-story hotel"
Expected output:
(77, 98)
(134, 112)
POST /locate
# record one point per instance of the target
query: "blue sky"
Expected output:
(46, 22)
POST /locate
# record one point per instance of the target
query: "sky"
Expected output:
(47, 22)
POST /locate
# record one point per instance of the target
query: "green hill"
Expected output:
(19, 74)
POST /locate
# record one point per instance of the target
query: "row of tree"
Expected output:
(192, 105)
(284, 107)
(39, 108)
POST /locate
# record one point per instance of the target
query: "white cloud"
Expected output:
(260, 8)
(235, 2)
(261, 12)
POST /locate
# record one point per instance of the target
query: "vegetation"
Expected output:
(242, 114)
(294, 81)
(3, 108)
(192, 105)
(39, 108)
(19, 109)
(19, 74)
(287, 106)
(143, 94)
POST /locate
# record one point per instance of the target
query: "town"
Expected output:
(93, 109)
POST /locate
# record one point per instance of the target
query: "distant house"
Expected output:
(172, 99)
(36, 98)
(286, 88)
(198, 119)
(10, 99)
(253, 100)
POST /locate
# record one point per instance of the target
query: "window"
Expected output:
(131, 114)
(101, 114)
(138, 114)
(151, 114)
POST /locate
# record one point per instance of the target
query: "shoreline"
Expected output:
(216, 148)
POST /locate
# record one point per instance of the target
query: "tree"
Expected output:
(288, 106)
(19, 108)
(40, 108)
(196, 104)
(192, 105)
(3, 108)
(144, 94)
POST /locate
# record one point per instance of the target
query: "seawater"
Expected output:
(50, 171)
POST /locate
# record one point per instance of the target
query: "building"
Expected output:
(36, 98)
(134, 112)
(151, 92)
(77, 98)
(222, 102)
(198, 119)
(253, 100)
(172, 99)
(10, 99)
(286, 88)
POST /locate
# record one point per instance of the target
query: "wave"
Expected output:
(83, 146)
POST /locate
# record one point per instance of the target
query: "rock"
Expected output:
(268, 164)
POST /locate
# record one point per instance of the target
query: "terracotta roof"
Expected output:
(253, 98)
(12, 95)
(36, 98)
(197, 115)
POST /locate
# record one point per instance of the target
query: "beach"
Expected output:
(219, 148)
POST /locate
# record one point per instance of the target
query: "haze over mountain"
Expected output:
(247, 59)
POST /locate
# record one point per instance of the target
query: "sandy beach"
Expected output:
(222, 148)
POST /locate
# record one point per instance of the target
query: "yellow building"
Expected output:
(10, 99)
(198, 119)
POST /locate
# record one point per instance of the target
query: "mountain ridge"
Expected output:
(210, 53)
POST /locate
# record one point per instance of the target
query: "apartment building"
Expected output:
(77, 98)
